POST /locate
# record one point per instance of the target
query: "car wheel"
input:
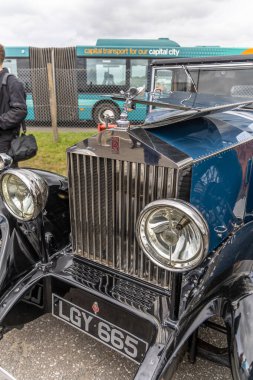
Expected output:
(103, 109)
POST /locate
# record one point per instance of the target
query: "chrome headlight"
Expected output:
(173, 234)
(24, 193)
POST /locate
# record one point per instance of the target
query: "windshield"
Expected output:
(235, 81)
(186, 92)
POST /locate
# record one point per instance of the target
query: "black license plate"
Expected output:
(102, 330)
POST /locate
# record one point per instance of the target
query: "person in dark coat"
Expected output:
(13, 109)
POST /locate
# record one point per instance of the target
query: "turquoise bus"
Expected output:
(85, 76)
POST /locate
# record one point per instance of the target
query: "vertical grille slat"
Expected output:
(99, 209)
(92, 180)
(106, 213)
(161, 182)
(128, 214)
(106, 198)
(144, 203)
(136, 201)
(85, 179)
(119, 213)
(80, 219)
(73, 205)
(113, 171)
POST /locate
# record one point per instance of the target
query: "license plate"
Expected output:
(102, 330)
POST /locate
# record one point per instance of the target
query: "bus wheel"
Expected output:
(103, 109)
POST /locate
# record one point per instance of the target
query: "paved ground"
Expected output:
(49, 349)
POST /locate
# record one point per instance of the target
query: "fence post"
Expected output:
(52, 101)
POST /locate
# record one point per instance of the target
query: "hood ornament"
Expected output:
(129, 95)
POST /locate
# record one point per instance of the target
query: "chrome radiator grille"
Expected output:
(106, 196)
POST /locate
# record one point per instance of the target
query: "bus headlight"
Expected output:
(173, 234)
(24, 193)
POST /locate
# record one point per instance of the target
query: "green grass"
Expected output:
(52, 156)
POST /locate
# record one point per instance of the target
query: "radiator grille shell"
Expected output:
(106, 197)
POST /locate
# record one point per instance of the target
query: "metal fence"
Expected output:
(79, 100)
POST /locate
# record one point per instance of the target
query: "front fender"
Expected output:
(225, 289)
(21, 245)
(240, 336)
(224, 271)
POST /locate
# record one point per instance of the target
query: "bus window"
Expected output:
(11, 65)
(139, 72)
(21, 68)
(106, 72)
(81, 74)
(24, 73)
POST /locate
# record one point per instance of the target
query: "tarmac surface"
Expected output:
(47, 349)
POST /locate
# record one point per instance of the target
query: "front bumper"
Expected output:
(139, 309)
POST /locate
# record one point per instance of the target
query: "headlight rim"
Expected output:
(192, 213)
(37, 188)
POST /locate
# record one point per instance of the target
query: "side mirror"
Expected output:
(5, 161)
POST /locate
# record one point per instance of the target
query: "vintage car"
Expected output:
(151, 235)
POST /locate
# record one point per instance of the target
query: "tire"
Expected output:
(102, 108)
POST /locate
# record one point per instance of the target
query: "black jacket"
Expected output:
(13, 109)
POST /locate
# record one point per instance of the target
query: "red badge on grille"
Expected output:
(95, 308)
(115, 144)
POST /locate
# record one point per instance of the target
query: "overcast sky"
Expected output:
(82, 22)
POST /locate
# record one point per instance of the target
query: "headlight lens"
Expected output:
(24, 193)
(173, 234)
